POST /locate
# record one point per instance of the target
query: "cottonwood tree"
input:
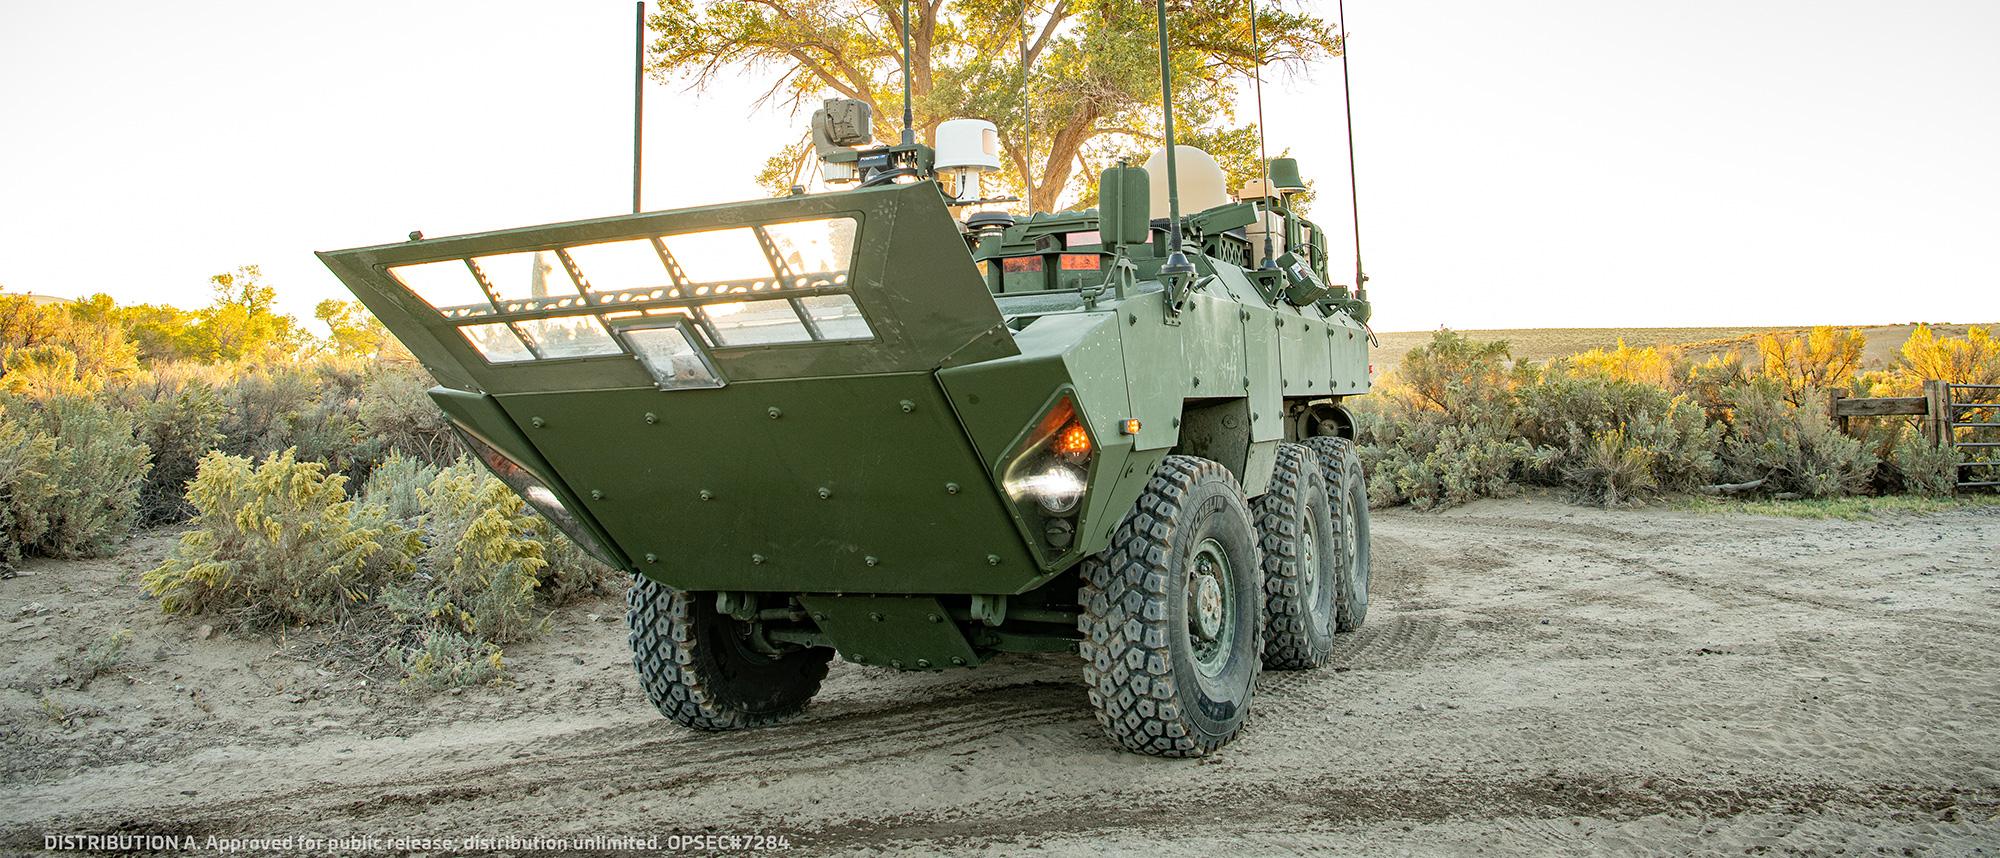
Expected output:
(1089, 94)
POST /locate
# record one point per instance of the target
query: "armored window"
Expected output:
(741, 286)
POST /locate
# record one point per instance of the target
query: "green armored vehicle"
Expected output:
(853, 422)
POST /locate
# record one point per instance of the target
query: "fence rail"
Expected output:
(1972, 473)
(1946, 409)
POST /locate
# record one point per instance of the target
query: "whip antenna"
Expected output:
(1263, 154)
(1177, 269)
(909, 119)
(1353, 192)
(1027, 119)
(638, 97)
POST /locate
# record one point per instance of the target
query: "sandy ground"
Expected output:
(1536, 678)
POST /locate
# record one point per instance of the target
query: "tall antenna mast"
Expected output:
(1263, 155)
(1176, 270)
(909, 118)
(1353, 192)
(638, 97)
(1027, 119)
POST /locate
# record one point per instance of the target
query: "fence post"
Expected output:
(1833, 397)
(1937, 420)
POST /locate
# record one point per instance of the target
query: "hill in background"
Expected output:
(1540, 344)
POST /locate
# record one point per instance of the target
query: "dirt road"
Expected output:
(1535, 678)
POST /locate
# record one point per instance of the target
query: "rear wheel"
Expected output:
(1340, 464)
(1295, 525)
(1172, 613)
(700, 669)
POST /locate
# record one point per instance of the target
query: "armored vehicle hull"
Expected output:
(844, 422)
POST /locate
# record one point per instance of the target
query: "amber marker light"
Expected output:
(1073, 441)
(1129, 426)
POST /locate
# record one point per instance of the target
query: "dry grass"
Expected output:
(1540, 344)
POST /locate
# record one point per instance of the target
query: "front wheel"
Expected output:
(1172, 611)
(700, 669)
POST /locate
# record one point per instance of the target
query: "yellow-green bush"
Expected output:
(397, 485)
(278, 543)
(482, 557)
(70, 477)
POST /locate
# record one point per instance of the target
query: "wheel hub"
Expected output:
(1207, 608)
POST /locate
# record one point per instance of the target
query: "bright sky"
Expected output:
(1532, 164)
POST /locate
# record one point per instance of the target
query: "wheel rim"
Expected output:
(1350, 540)
(1211, 607)
(1309, 570)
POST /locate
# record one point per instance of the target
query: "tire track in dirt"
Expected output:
(1684, 682)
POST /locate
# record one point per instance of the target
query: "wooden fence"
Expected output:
(1965, 416)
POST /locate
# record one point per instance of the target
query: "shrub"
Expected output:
(1824, 358)
(179, 427)
(278, 543)
(1654, 365)
(1452, 373)
(73, 473)
(307, 407)
(1972, 360)
(45, 371)
(1429, 461)
(87, 330)
(397, 486)
(25, 458)
(1612, 469)
(397, 417)
(1589, 433)
(438, 658)
(1914, 465)
(486, 559)
(1796, 450)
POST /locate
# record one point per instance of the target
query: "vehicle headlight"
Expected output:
(1052, 469)
(1056, 490)
(539, 497)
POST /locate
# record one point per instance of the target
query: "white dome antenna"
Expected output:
(966, 150)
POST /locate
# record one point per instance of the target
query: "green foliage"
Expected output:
(87, 331)
(1795, 449)
(1913, 465)
(352, 331)
(440, 658)
(104, 656)
(1091, 78)
(1442, 431)
(70, 473)
(278, 543)
(1614, 441)
(1431, 462)
(483, 555)
(243, 323)
(179, 420)
(397, 486)
(397, 417)
(311, 407)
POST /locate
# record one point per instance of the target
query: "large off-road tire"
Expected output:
(697, 668)
(1340, 463)
(1172, 614)
(1296, 530)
